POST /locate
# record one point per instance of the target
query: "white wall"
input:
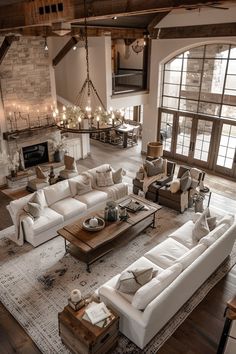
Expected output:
(133, 61)
(161, 51)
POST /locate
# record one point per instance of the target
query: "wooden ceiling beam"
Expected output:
(155, 21)
(16, 15)
(67, 47)
(104, 9)
(201, 31)
(6, 44)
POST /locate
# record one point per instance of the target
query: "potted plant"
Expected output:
(59, 150)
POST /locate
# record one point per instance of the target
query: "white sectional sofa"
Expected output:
(61, 205)
(183, 265)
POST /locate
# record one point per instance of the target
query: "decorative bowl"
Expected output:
(88, 227)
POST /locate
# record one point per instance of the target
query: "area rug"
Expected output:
(35, 283)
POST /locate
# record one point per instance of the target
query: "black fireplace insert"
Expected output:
(35, 154)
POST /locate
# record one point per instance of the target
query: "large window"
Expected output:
(202, 80)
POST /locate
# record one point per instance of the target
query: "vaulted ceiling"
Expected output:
(120, 18)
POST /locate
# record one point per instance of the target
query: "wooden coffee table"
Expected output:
(91, 246)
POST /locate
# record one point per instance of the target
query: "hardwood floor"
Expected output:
(200, 332)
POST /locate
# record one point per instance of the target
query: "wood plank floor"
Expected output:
(200, 332)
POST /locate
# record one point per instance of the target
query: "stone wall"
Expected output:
(25, 83)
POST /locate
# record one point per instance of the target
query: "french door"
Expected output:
(187, 137)
(225, 161)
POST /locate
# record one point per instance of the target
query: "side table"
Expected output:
(82, 337)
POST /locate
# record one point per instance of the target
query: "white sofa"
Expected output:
(188, 265)
(61, 205)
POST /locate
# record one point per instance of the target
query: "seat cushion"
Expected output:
(92, 198)
(36, 184)
(68, 174)
(48, 219)
(69, 207)
(166, 253)
(184, 235)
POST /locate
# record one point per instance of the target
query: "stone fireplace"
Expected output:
(35, 148)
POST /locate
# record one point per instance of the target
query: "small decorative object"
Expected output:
(140, 173)
(123, 214)
(14, 163)
(111, 212)
(198, 199)
(59, 150)
(94, 224)
(51, 175)
(76, 301)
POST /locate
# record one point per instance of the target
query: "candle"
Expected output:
(75, 295)
(98, 122)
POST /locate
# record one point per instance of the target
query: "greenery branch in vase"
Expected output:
(59, 150)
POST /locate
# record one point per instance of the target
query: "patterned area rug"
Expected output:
(35, 283)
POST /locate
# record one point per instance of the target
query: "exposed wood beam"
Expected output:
(114, 32)
(214, 30)
(6, 44)
(67, 47)
(15, 15)
(103, 9)
(155, 21)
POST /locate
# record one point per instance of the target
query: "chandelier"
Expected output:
(88, 114)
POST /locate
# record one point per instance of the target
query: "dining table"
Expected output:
(125, 129)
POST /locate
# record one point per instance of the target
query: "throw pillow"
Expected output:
(131, 280)
(185, 181)
(211, 221)
(104, 179)
(40, 174)
(195, 173)
(70, 163)
(84, 186)
(201, 228)
(34, 209)
(154, 167)
(118, 175)
(175, 186)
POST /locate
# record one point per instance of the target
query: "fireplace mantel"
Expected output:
(27, 133)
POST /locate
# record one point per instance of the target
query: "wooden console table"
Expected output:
(228, 336)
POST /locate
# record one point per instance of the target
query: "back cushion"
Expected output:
(92, 173)
(188, 258)
(153, 288)
(73, 183)
(57, 192)
(214, 234)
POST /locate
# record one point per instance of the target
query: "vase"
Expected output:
(57, 156)
(111, 212)
(13, 173)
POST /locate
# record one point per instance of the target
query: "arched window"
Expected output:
(202, 80)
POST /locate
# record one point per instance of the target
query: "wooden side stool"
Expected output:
(230, 316)
(82, 337)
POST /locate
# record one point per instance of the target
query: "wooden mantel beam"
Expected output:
(201, 31)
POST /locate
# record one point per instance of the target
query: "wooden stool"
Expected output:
(230, 315)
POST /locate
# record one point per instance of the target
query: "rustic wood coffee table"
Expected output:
(90, 246)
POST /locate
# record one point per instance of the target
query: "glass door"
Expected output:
(226, 155)
(184, 138)
(166, 129)
(201, 142)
